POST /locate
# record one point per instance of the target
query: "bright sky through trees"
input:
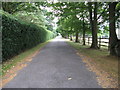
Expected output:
(50, 9)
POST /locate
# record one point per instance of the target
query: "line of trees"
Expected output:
(81, 18)
(75, 18)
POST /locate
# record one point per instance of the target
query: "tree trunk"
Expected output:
(94, 28)
(76, 39)
(91, 19)
(71, 38)
(83, 32)
(113, 37)
(90, 12)
(71, 35)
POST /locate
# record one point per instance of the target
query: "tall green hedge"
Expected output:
(18, 36)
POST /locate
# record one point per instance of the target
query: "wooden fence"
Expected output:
(102, 42)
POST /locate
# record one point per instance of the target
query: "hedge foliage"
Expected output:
(18, 36)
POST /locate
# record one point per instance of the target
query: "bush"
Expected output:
(18, 36)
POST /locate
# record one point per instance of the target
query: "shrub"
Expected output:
(18, 36)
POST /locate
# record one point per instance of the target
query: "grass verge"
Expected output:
(6, 66)
(102, 63)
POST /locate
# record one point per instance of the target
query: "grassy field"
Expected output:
(100, 58)
(6, 66)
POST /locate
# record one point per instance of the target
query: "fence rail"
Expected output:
(102, 42)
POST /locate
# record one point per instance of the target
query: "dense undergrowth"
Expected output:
(18, 36)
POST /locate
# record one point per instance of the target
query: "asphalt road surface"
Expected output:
(56, 66)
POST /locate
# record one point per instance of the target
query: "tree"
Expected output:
(13, 7)
(83, 32)
(93, 22)
(112, 28)
(10, 7)
(74, 11)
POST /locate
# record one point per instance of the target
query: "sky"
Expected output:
(118, 33)
(49, 9)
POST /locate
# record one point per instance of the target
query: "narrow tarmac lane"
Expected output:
(56, 66)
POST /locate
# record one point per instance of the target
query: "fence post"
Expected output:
(88, 40)
(99, 42)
